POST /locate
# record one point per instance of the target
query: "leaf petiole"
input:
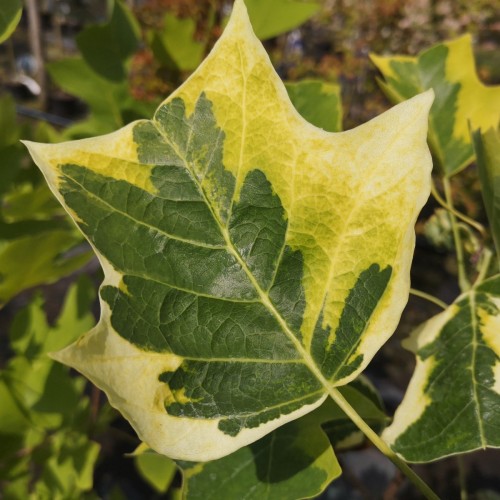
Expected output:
(428, 297)
(381, 444)
(462, 276)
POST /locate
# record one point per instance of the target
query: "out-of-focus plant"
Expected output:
(10, 15)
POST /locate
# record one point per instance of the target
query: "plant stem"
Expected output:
(476, 225)
(462, 276)
(429, 297)
(485, 264)
(462, 477)
(381, 445)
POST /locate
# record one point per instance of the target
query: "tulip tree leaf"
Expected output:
(452, 404)
(252, 261)
(318, 102)
(461, 97)
(487, 149)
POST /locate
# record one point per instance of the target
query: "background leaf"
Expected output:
(44, 416)
(487, 149)
(106, 48)
(449, 69)
(318, 102)
(157, 470)
(279, 16)
(175, 46)
(452, 404)
(111, 105)
(43, 258)
(251, 260)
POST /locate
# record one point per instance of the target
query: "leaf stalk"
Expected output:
(464, 218)
(382, 445)
(429, 297)
(462, 477)
(463, 281)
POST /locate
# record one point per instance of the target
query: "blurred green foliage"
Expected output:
(46, 419)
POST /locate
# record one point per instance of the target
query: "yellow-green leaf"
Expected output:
(452, 404)
(461, 97)
(487, 149)
(252, 261)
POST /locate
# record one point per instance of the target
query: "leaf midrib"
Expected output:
(475, 329)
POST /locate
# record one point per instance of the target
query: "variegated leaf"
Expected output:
(461, 97)
(252, 261)
(452, 404)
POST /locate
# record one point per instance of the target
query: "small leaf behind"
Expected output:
(452, 404)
